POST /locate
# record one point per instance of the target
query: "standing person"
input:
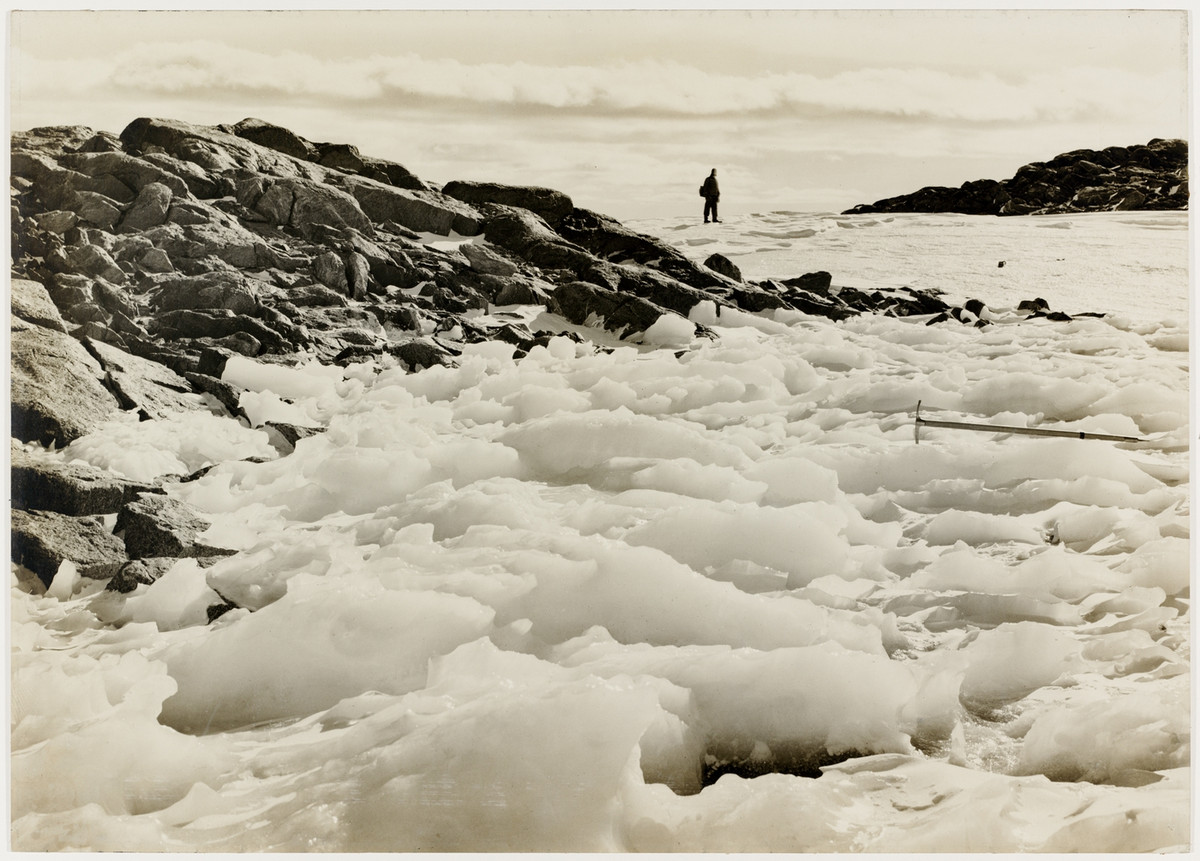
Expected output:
(711, 195)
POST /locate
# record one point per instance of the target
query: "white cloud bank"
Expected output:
(665, 88)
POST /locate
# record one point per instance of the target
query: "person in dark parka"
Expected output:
(711, 195)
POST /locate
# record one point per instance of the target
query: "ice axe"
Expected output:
(975, 426)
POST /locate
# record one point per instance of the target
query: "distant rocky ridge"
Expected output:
(1150, 177)
(143, 262)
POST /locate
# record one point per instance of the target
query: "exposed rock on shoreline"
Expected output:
(143, 262)
(1150, 177)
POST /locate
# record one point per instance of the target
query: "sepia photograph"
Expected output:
(585, 430)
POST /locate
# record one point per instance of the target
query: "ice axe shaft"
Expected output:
(934, 423)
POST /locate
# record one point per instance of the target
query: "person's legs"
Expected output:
(709, 206)
(714, 209)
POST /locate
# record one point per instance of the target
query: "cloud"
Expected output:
(647, 86)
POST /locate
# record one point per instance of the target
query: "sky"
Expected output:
(628, 111)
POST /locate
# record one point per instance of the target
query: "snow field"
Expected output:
(542, 603)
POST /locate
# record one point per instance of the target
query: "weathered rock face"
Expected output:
(57, 390)
(551, 205)
(67, 488)
(722, 265)
(157, 526)
(1153, 177)
(43, 540)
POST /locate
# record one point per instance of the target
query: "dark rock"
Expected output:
(722, 265)
(318, 295)
(358, 275)
(113, 299)
(138, 572)
(974, 307)
(94, 262)
(216, 611)
(212, 361)
(283, 437)
(154, 390)
(99, 332)
(149, 209)
(583, 303)
(228, 396)
(57, 221)
(420, 353)
(54, 140)
(43, 540)
(83, 313)
(522, 291)
(57, 394)
(95, 209)
(156, 525)
(329, 268)
(301, 204)
(610, 240)
(1117, 178)
(212, 291)
(813, 281)
(486, 261)
(74, 489)
(422, 211)
(126, 176)
(275, 137)
(551, 205)
(201, 324)
(341, 156)
(1031, 305)
(240, 343)
(528, 236)
(811, 297)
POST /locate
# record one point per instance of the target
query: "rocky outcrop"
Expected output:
(143, 261)
(1152, 177)
(155, 525)
(57, 390)
(48, 485)
(43, 540)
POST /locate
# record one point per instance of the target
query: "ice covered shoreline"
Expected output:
(543, 602)
(1068, 259)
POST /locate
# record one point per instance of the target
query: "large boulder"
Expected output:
(722, 265)
(149, 209)
(275, 137)
(591, 305)
(75, 489)
(551, 205)
(156, 525)
(57, 393)
(92, 261)
(154, 390)
(210, 291)
(422, 211)
(528, 236)
(301, 204)
(612, 241)
(43, 540)
(133, 173)
(52, 140)
(486, 261)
